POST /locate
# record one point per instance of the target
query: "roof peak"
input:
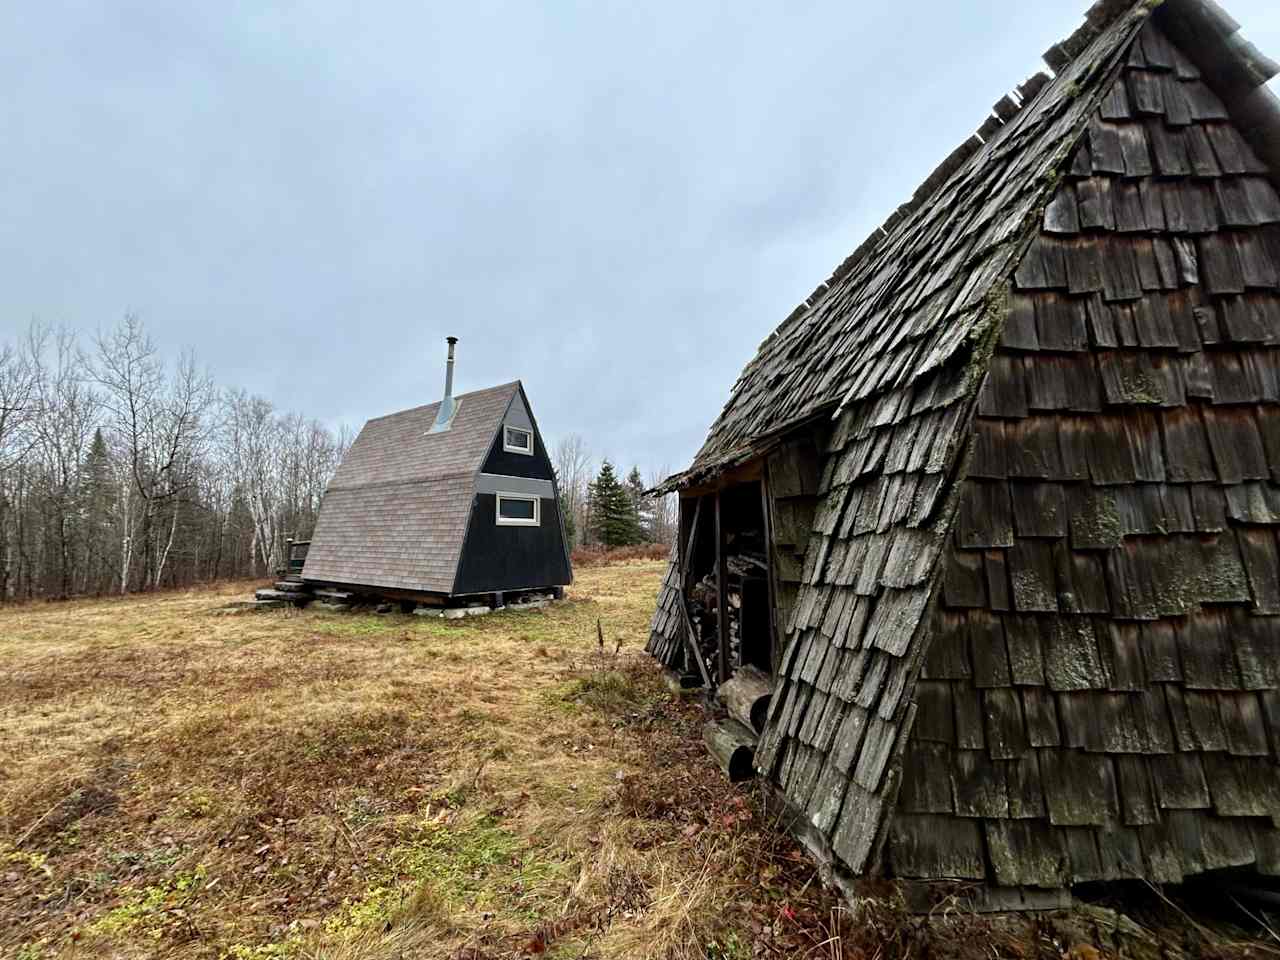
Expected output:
(497, 388)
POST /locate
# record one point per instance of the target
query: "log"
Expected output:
(722, 597)
(733, 746)
(746, 695)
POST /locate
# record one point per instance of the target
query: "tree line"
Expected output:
(603, 510)
(122, 471)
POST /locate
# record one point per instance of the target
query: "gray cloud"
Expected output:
(613, 202)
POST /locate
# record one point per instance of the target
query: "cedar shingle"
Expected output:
(1115, 529)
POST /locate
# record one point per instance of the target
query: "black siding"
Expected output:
(498, 558)
(518, 464)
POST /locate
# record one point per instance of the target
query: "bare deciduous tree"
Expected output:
(573, 463)
(160, 422)
(664, 510)
(121, 470)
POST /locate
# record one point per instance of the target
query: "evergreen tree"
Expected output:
(613, 514)
(97, 505)
(640, 506)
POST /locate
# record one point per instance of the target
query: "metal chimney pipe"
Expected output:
(447, 406)
(448, 370)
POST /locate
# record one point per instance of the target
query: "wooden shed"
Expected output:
(455, 499)
(995, 509)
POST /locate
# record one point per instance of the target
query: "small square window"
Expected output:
(516, 440)
(517, 510)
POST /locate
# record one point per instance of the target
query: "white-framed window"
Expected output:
(519, 510)
(517, 440)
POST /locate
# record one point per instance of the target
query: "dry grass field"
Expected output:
(179, 783)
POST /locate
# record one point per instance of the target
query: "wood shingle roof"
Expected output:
(1051, 380)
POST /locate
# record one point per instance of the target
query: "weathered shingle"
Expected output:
(1086, 306)
(1145, 569)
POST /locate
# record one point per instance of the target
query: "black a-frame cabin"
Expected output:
(454, 499)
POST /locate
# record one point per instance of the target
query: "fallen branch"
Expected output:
(45, 816)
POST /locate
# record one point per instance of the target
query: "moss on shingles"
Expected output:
(984, 335)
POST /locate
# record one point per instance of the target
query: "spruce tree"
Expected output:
(97, 503)
(640, 506)
(613, 514)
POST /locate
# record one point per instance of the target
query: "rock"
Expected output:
(457, 613)
(333, 607)
(382, 608)
(428, 612)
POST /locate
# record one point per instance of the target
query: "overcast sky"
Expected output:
(613, 202)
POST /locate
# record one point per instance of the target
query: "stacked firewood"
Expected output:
(747, 560)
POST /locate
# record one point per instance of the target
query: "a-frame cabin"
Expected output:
(1011, 480)
(452, 500)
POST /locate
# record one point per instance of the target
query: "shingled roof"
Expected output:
(395, 514)
(911, 298)
(1020, 368)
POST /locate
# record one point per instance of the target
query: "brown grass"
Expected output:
(348, 786)
(602, 556)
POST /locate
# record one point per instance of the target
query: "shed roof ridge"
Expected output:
(855, 271)
(1059, 56)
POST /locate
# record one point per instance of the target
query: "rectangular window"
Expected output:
(516, 440)
(518, 510)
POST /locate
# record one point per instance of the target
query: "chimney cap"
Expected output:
(451, 340)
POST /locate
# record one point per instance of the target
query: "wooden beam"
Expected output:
(766, 508)
(743, 473)
(686, 559)
(691, 646)
(686, 568)
(722, 597)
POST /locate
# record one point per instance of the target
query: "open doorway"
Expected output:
(727, 580)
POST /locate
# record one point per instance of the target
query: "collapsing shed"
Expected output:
(455, 499)
(1014, 468)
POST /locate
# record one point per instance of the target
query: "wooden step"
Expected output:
(266, 593)
(291, 586)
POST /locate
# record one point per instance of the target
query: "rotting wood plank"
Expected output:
(690, 639)
(722, 596)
